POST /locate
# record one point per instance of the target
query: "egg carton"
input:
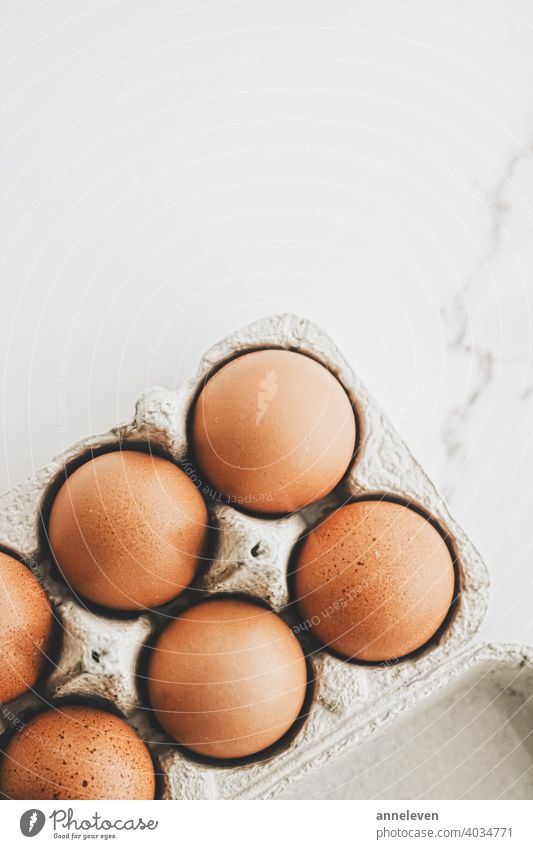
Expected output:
(101, 657)
(468, 738)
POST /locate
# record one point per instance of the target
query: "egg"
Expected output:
(374, 581)
(127, 530)
(273, 431)
(77, 752)
(227, 678)
(26, 628)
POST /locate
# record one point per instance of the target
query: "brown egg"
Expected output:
(227, 678)
(127, 530)
(26, 625)
(374, 581)
(77, 753)
(273, 431)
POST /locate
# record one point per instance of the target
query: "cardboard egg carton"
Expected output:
(468, 737)
(102, 657)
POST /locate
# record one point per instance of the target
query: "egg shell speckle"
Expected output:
(274, 431)
(26, 627)
(227, 679)
(77, 752)
(375, 580)
(128, 529)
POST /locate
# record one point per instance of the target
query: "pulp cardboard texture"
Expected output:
(101, 657)
(469, 740)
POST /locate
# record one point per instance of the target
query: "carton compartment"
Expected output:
(471, 740)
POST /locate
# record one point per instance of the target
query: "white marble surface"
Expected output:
(170, 171)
